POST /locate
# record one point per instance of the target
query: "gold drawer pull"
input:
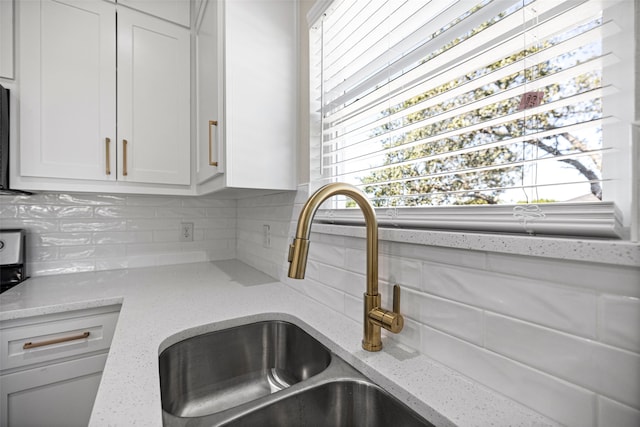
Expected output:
(107, 142)
(211, 123)
(28, 345)
(124, 157)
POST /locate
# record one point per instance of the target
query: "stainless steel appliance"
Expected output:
(13, 267)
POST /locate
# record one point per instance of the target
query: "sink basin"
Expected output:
(340, 403)
(213, 372)
(270, 373)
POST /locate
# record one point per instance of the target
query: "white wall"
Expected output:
(68, 233)
(561, 337)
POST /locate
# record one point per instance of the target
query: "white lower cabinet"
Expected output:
(60, 394)
(52, 365)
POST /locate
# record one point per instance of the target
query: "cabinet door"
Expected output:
(67, 88)
(6, 39)
(209, 122)
(55, 395)
(153, 100)
(260, 93)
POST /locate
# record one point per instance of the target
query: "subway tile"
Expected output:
(339, 279)
(174, 235)
(410, 335)
(566, 403)
(110, 251)
(220, 233)
(8, 211)
(37, 211)
(403, 271)
(327, 254)
(140, 224)
(324, 294)
(613, 279)
(33, 199)
(442, 255)
(61, 267)
(460, 320)
(559, 307)
(618, 320)
(91, 199)
(125, 212)
(601, 368)
(63, 239)
(48, 211)
(354, 307)
(77, 252)
(152, 248)
(41, 253)
(207, 202)
(219, 212)
(32, 225)
(327, 239)
(181, 213)
(615, 414)
(115, 237)
(92, 225)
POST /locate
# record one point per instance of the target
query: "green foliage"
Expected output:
(458, 175)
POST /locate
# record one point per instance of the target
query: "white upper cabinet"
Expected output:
(209, 92)
(6, 39)
(254, 145)
(153, 100)
(69, 87)
(105, 94)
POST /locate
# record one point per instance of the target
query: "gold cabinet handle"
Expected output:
(107, 143)
(124, 157)
(29, 345)
(211, 123)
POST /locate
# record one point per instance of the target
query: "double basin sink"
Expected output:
(270, 373)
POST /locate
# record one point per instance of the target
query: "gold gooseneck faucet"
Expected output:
(374, 316)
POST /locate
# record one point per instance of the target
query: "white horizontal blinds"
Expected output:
(420, 101)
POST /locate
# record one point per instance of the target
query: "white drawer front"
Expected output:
(100, 328)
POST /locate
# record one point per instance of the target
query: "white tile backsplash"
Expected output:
(612, 413)
(616, 314)
(560, 336)
(69, 233)
(562, 307)
(604, 369)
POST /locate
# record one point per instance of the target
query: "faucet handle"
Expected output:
(389, 320)
(396, 299)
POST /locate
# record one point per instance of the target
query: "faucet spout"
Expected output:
(374, 316)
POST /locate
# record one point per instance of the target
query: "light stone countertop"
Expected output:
(163, 305)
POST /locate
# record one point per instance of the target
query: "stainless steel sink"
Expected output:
(219, 370)
(341, 403)
(270, 374)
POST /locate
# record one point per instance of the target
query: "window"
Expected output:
(480, 115)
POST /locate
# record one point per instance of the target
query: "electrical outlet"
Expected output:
(266, 236)
(186, 232)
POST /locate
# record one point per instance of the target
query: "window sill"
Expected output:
(605, 251)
